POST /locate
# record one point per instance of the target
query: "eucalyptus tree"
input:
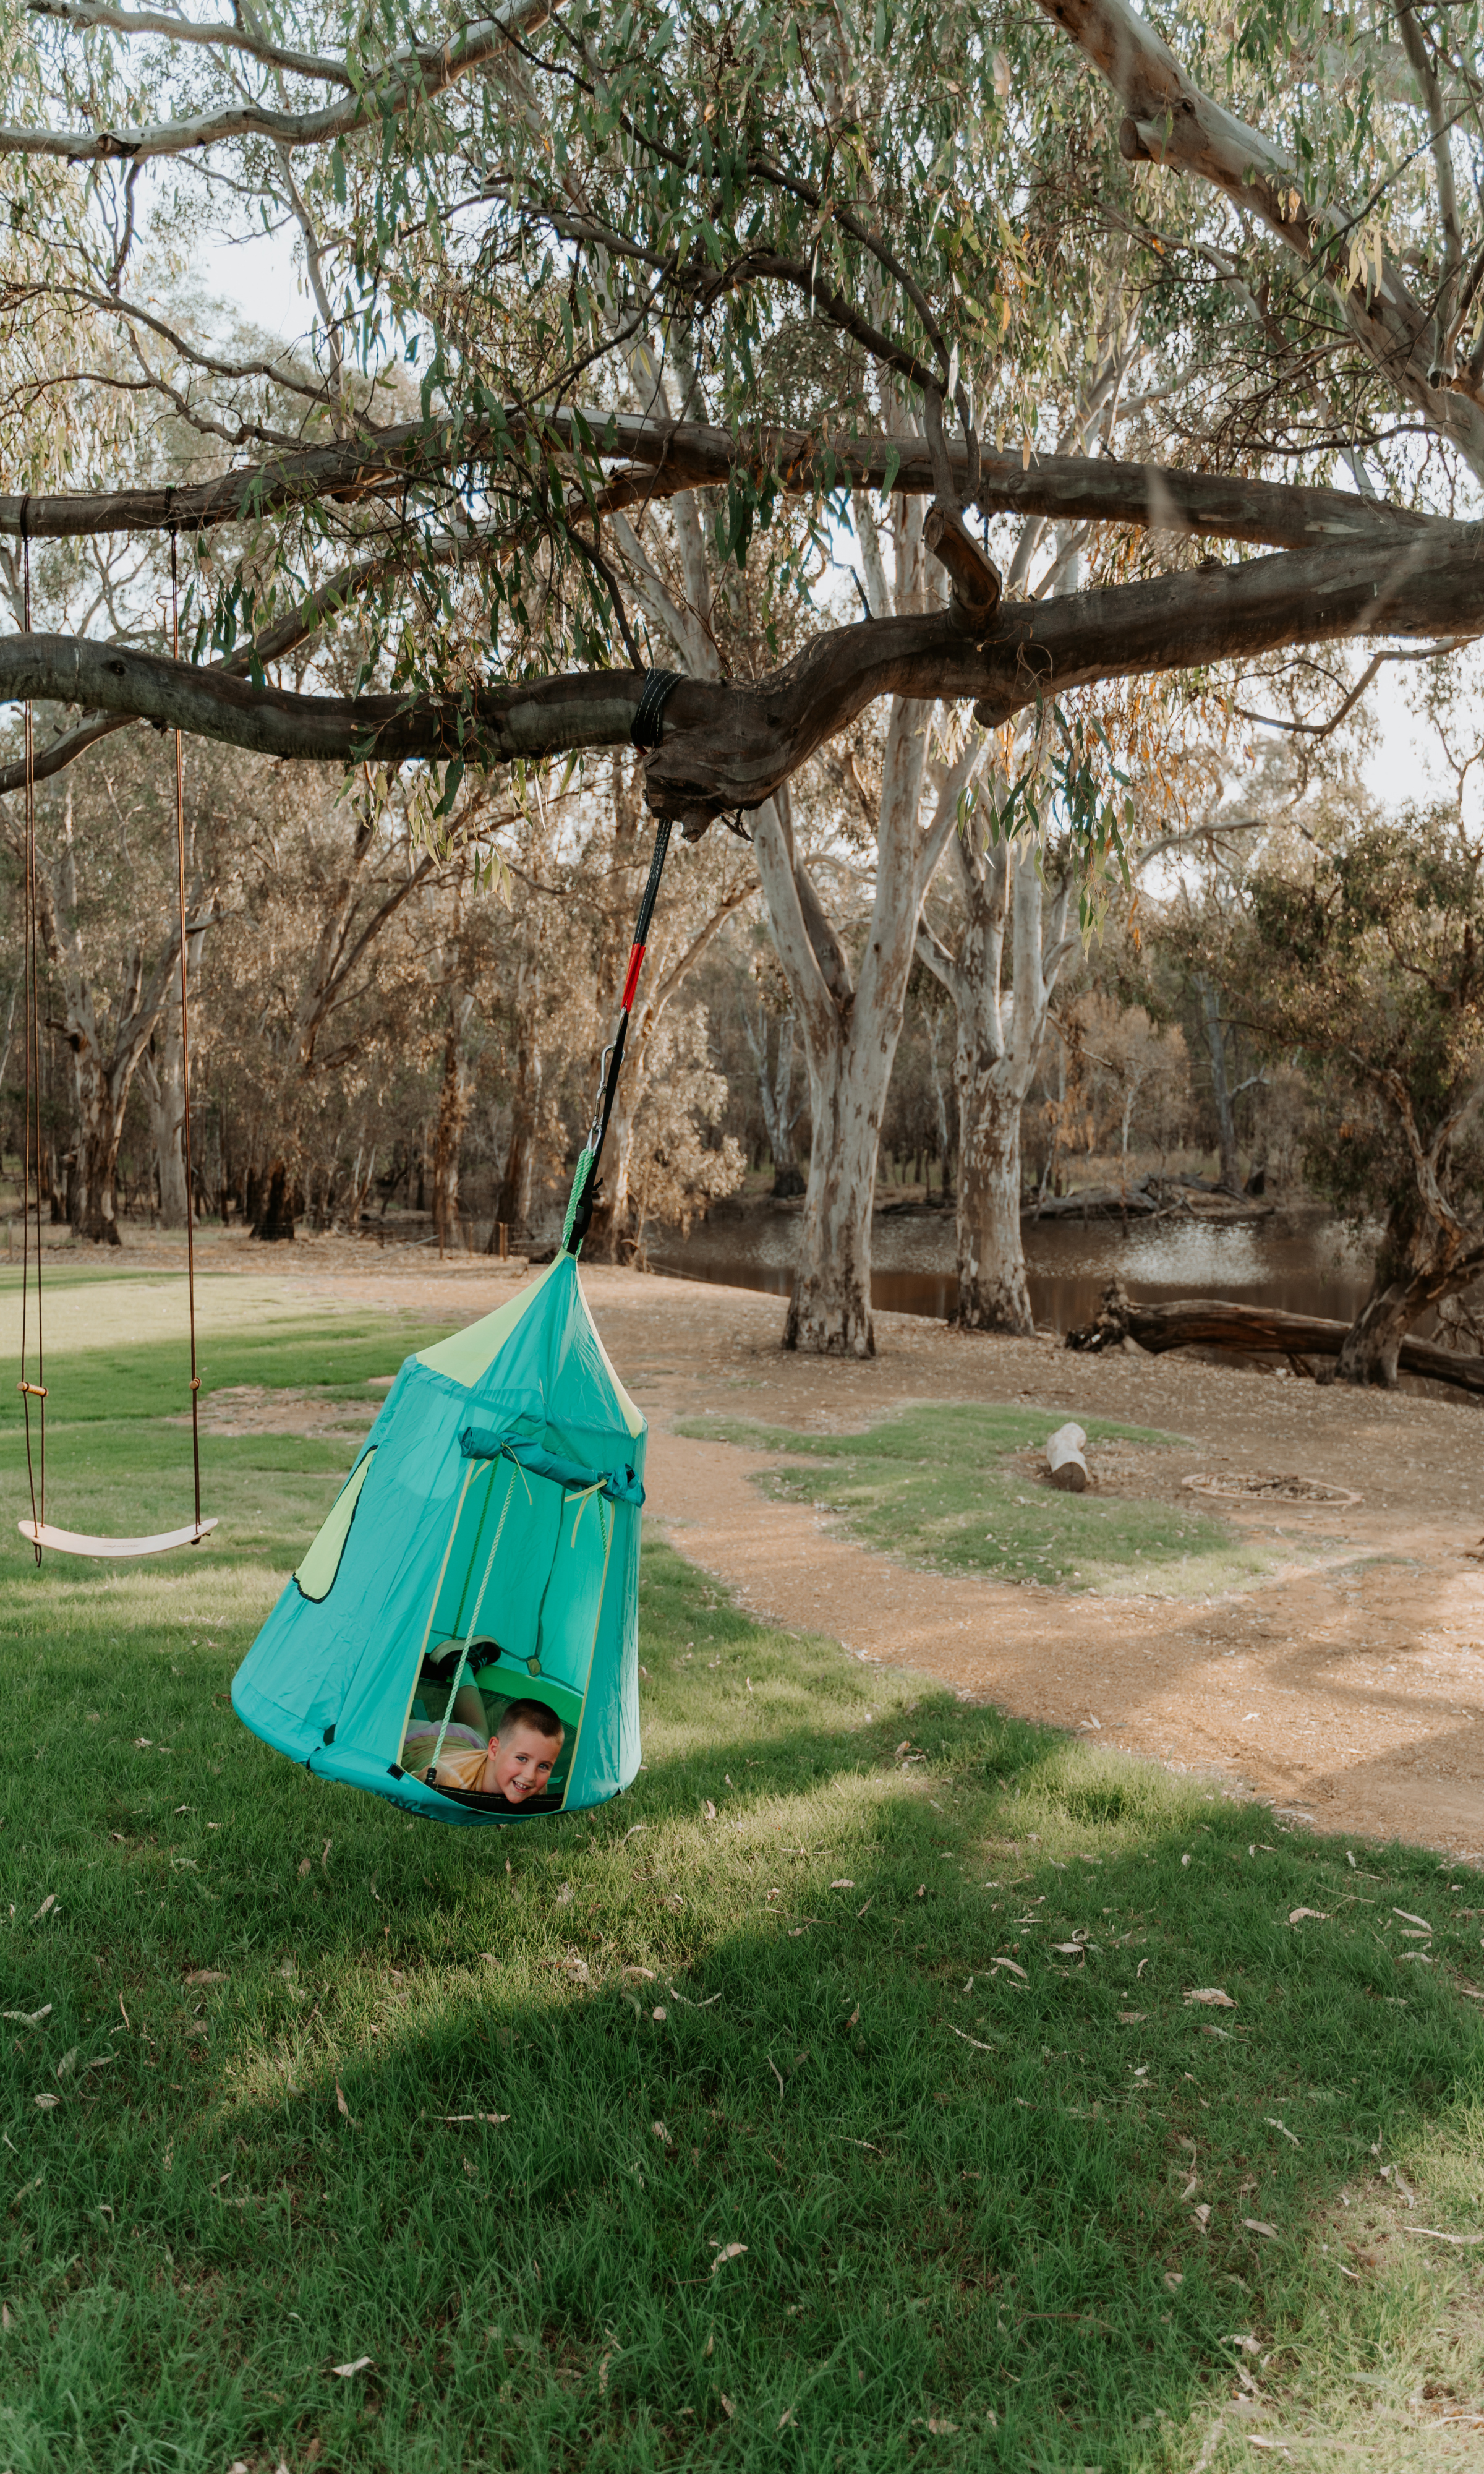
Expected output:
(888, 242)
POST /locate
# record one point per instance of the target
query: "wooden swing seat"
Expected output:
(67, 1541)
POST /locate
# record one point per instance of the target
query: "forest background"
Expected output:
(1112, 301)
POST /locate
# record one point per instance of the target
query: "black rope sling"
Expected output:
(645, 732)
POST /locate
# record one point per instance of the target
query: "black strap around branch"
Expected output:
(657, 687)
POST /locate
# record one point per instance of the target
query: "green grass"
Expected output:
(962, 2188)
(962, 1489)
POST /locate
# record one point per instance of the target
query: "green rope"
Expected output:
(585, 1163)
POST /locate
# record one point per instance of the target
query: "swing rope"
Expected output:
(30, 1390)
(185, 1049)
(30, 1162)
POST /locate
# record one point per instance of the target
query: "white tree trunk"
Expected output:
(998, 1049)
(830, 1310)
(992, 1293)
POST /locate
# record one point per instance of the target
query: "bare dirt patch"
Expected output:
(1349, 1685)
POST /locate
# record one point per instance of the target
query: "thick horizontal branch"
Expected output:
(664, 457)
(297, 626)
(732, 746)
(408, 78)
(536, 720)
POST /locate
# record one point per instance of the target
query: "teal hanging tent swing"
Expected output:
(488, 1538)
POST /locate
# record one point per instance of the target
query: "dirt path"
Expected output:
(1350, 1689)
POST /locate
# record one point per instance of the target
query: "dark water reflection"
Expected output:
(1300, 1265)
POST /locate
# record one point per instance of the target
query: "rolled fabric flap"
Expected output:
(620, 1486)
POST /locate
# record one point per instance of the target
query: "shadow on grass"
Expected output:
(966, 2191)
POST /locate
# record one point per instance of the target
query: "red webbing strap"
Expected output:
(613, 1055)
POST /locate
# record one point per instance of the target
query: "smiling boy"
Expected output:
(516, 1766)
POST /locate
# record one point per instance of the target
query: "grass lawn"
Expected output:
(833, 2101)
(960, 1487)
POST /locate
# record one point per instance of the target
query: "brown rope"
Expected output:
(185, 1046)
(30, 1390)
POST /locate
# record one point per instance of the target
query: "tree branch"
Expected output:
(410, 77)
(1173, 123)
(664, 457)
(84, 15)
(732, 745)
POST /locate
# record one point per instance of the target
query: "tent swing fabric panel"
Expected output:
(493, 1515)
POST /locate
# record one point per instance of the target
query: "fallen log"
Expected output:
(1097, 1199)
(1217, 1322)
(1065, 1467)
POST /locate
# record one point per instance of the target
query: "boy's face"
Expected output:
(524, 1763)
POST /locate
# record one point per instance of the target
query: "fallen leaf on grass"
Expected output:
(662, 2134)
(1013, 1969)
(1408, 1919)
(1132, 2017)
(205, 1976)
(474, 2117)
(710, 1809)
(854, 2018)
(1272, 2123)
(303, 1870)
(1256, 2225)
(728, 2408)
(1201, 2216)
(46, 2102)
(142, 1743)
(1174, 2280)
(786, 2418)
(1463, 2242)
(28, 2017)
(938, 2427)
(661, 2013)
(349, 2370)
(340, 2104)
(1212, 1997)
(46, 1908)
(974, 2041)
(563, 1898)
(842, 1885)
(729, 2250)
(1318, 1915)
(647, 1973)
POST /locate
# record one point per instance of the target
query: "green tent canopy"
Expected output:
(493, 1521)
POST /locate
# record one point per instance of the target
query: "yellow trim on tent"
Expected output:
(316, 1574)
(468, 1353)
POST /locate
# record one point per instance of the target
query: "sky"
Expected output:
(261, 279)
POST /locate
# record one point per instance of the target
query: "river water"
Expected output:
(1300, 1263)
